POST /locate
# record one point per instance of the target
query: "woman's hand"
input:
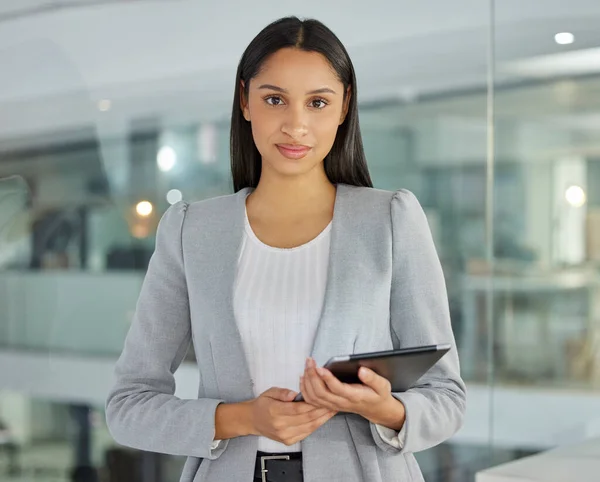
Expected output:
(276, 416)
(373, 400)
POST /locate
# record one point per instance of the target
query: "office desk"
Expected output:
(580, 463)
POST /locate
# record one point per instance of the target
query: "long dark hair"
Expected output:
(345, 163)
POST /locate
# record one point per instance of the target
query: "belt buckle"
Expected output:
(263, 459)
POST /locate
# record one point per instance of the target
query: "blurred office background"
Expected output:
(112, 110)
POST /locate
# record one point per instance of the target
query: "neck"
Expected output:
(291, 197)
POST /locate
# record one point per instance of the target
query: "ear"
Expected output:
(244, 101)
(346, 105)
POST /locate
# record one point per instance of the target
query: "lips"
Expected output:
(293, 151)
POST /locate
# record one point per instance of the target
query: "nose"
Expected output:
(294, 124)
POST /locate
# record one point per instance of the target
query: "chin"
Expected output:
(285, 166)
(289, 169)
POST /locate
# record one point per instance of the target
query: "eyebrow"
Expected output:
(324, 90)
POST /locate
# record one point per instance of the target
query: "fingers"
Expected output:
(316, 392)
(335, 386)
(316, 414)
(302, 431)
(296, 413)
(296, 408)
(298, 419)
(379, 384)
(288, 428)
(281, 394)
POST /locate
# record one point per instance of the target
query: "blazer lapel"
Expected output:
(333, 336)
(230, 359)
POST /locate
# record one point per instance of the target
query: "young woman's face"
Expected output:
(295, 106)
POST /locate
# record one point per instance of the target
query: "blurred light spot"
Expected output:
(575, 196)
(140, 231)
(564, 38)
(166, 158)
(174, 196)
(144, 208)
(104, 105)
(207, 143)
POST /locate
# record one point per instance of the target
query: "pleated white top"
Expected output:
(278, 300)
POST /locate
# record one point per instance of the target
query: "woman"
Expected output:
(305, 261)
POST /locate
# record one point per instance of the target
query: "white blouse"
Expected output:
(278, 299)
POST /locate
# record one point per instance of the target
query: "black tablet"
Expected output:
(401, 367)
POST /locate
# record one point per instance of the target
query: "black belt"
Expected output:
(278, 467)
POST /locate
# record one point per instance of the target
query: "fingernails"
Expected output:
(321, 372)
(365, 372)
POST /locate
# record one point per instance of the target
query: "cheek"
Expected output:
(263, 127)
(325, 130)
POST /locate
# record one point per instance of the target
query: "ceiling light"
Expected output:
(144, 208)
(166, 158)
(575, 196)
(564, 38)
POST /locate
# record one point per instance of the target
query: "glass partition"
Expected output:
(488, 111)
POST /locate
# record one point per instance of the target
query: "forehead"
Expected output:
(289, 68)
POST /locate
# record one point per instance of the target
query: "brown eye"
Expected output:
(318, 103)
(274, 100)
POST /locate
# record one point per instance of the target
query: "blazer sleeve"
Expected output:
(419, 315)
(141, 409)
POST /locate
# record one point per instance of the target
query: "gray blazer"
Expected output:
(385, 290)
